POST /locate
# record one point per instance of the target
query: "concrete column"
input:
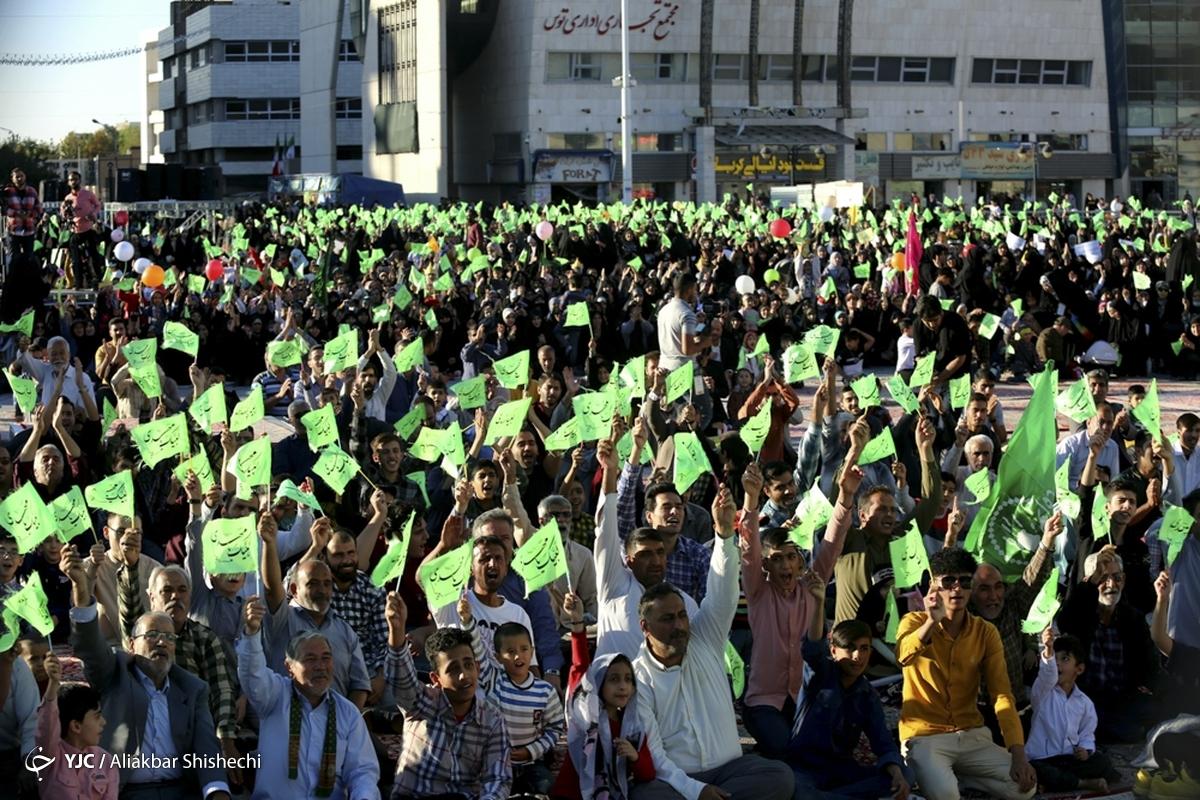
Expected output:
(706, 161)
(320, 40)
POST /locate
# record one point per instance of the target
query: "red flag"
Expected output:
(913, 251)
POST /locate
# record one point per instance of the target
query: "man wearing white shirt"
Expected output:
(377, 385)
(58, 358)
(680, 672)
(1187, 457)
(489, 568)
(1074, 448)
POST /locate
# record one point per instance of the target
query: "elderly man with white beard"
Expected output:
(1122, 663)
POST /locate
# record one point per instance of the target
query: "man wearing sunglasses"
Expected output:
(945, 652)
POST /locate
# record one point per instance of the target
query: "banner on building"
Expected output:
(991, 161)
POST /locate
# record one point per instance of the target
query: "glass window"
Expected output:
(862, 68)
(981, 70)
(916, 70)
(1031, 71)
(347, 52)
(870, 142)
(655, 67)
(888, 70)
(558, 66)
(831, 68)
(1079, 73)
(1005, 70)
(349, 108)
(584, 67)
(775, 67)
(575, 141)
(235, 51)
(941, 70)
(1054, 72)
(729, 67)
(1139, 117)
(813, 68)
(168, 67)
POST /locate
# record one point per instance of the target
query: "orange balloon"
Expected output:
(898, 262)
(153, 276)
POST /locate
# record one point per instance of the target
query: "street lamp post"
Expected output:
(625, 82)
(112, 193)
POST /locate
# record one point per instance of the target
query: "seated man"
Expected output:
(680, 672)
(156, 711)
(455, 741)
(294, 747)
(945, 651)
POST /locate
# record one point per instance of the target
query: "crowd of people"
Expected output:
(277, 507)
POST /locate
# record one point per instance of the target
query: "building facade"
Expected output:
(231, 81)
(481, 99)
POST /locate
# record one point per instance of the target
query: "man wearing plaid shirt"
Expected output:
(22, 210)
(360, 603)
(200, 652)
(455, 741)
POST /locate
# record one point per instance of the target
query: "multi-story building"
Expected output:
(234, 79)
(516, 100)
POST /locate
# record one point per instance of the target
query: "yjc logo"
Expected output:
(35, 762)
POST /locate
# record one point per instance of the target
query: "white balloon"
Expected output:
(140, 265)
(744, 284)
(117, 235)
(123, 251)
(826, 213)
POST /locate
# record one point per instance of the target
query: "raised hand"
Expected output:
(1052, 528)
(813, 584)
(723, 512)
(268, 528)
(752, 483)
(573, 607)
(72, 565)
(397, 616)
(1162, 587)
(849, 482)
(934, 606)
(463, 606)
(191, 486)
(253, 615)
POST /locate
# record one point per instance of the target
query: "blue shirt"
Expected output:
(357, 769)
(831, 718)
(156, 737)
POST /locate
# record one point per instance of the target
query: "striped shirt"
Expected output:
(532, 711)
(444, 755)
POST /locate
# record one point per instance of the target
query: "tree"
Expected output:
(29, 155)
(100, 142)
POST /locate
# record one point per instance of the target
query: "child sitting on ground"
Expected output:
(69, 723)
(835, 706)
(1062, 736)
(531, 709)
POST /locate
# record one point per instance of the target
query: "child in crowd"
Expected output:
(835, 706)
(69, 723)
(531, 709)
(612, 740)
(1062, 737)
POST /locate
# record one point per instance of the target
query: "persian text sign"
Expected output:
(992, 161)
(657, 21)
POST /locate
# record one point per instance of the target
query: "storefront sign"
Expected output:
(752, 167)
(574, 167)
(995, 161)
(657, 21)
(936, 168)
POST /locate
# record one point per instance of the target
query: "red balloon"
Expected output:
(215, 270)
(780, 228)
(121, 217)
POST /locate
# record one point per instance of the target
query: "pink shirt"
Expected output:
(86, 206)
(61, 782)
(778, 621)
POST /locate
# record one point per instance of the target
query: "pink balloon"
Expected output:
(781, 228)
(544, 230)
(117, 235)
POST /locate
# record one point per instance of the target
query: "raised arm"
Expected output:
(711, 624)
(261, 685)
(271, 572)
(99, 662)
(612, 579)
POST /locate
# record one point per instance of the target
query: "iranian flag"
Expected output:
(276, 165)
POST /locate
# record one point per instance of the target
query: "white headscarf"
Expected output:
(589, 739)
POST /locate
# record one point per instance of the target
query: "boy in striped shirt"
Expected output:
(532, 711)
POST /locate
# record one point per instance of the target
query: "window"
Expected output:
(813, 68)
(863, 68)
(1036, 72)
(280, 50)
(729, 67)
(920, 142)
(575, 141)
(194, 59)
(870, 142)
(168, 68)
(583, 67)
(347, 52)
(398, 52)
(897, 69)
(652, 142)
(656, 67)
(916, 70)
(348, 108)
(349, 152)
(274, 108)
(775, 67)
(1065, 141)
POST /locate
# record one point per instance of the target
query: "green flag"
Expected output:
(27, 517)
(109, 416)
(594, 412)
(140, 351)
(799, 364)
(410, 422)
(248, 411)
(542, 559)
(146, 377)
(196, 284)
(823, 339)
(755, 431)
(513, 372)
(1045, 606)
(428, 446)
(336, 468)
(1149, 413)
(162, 438)
(923, 371)
(866, 389)
(413, 355)
(891, 617)
(251, 465)
(198, 464)
(679, 381)
(1009, 524)
(177, 336)
(988, 326)
(284, 352)
(1068, 502)
(209, 408)
(690, 461)
(444, 577)
(288, 489)
(881, 447)
(508, 420)
(392, 564)
(471, 393)
(633, 376)
(452, 445)
(735, 668)
(577, 316)
(230, 546)
(960, 391)
(70, 514)
(909, 558)
(1101, 523)
(24, 325)
(10, 628)
(320, 427)
(341, 352)
(113, 494)
(565, 436)
(1076, 402)
(980, 485)
(24, 391)
(903, 395)
(31, 605)
(1176, 527)
(625, 449)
